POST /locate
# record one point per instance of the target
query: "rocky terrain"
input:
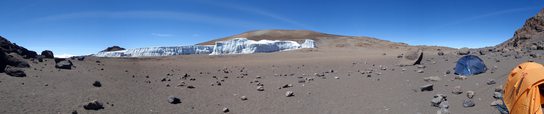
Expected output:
(345, 74)
(529, 37)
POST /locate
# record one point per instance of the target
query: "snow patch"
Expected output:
(233, 46)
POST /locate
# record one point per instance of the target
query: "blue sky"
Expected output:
(88, 26)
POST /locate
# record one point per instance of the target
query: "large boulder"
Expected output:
(463, 51)
(14, 71)
(48, 54)
(16, 60)
(63, 63)
(411, 57)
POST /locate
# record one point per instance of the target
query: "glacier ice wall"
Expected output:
(233, 46)
(245, 46)
(159, 51)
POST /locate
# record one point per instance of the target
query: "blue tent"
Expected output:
(470, 65)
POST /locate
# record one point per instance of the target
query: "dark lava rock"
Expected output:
(93, 105)
(428, 87)
(97, 84)
(113, 48)
(63, 63)
(8, 47)
(16, 60)
(15, 72)
(48, 54)
(174, 100)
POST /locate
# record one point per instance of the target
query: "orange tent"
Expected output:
(521, 92)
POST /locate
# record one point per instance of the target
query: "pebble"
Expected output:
(444, 104)
(174, 100)
(438, 98)
(93, 105)
(498, 88)
(432, 78)
(287, 86)
(457, 90)
(470, 94)
(289, 94)
(491, 82)
(468, 103)
(243, 98)
(336, 77)
(225, 109)
(419, 71)
(97, 84)
(260, 88)
(460, 77)
(420, 66)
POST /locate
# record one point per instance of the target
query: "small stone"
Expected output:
(437, 99)
(260, 88)
(289, 94)
(432, 78)
(225, 110)
(420, 66)
(497, 102)
(490, 82)
(460, 77)
(468, 103)
(428, 87)
(191, 87)
(498, 88)
(97, 84)
(470, 94)
(419, 71)
(174, 100)
(497, 95)
(93, 105)
(243, 98)
(336, 77)
(444, 104)
(443, 111)
(457, 90)
(448, 72)
(287, 86)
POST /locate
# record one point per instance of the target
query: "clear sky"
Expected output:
(87, 26)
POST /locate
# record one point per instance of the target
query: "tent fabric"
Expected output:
(470, 65)
(521, 92)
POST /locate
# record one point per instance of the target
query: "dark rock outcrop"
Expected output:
(8, 47)
(113, 48)
(48, 54)
(528, 37)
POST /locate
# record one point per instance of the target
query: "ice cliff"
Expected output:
(233, 46)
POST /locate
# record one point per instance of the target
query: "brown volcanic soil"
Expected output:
(126, 88)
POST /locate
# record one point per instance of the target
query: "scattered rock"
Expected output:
(468, 103)
(287, 86)
(289, 94)
(497, 95)
(243, 98)
(174, 100)
(93, 105)
(225, 110)
(440, 53)
(428, 87)
(497, 102)
(48, 54)
(470, 94)
(444, 104)
(498, 88)
(62, 63)
(490, 82)
(412, 57)
(443, 111)
(457, 90)
(97, 84)
(260, 88)
(437, 99)
(460, 77)
(419, 71)
(420, 66)
(463, 51)
(15, 72)
(432, 78)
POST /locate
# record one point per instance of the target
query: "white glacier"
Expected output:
(233, 46)
(245, 46)
(159, 51)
